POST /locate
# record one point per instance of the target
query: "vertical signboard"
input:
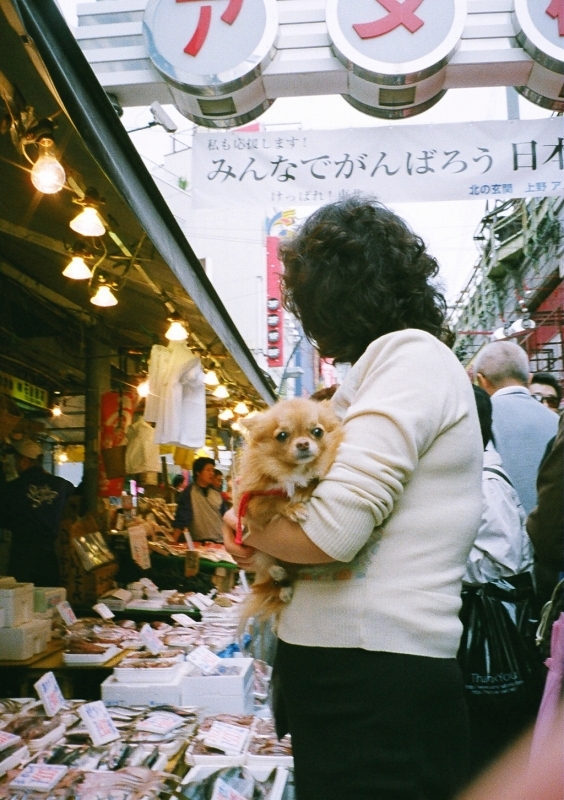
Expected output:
(274, 312)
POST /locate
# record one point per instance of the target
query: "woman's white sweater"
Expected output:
(399, 509)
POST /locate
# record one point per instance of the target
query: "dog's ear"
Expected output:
(248, 424)
(327, 415)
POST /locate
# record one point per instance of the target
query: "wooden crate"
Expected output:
(82, 586)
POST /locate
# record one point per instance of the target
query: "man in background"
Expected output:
(200, 506)
(522, 427)
(545, 388)
(31, 508)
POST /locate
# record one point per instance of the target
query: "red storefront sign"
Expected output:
(274, 312)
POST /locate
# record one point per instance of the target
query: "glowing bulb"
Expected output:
(47, 175)
(104, 297)
(56, 411)
(241, 409)
(226, 414)
(77, 269)
(88, 223)
(177, 332)
(210, 378)
(221, 392)
(63, 458)
(235, 426)
(143, 389)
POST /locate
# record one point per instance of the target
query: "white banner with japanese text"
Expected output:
(410, 163)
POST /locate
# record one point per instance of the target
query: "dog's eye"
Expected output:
(282, 436)
(317, 433)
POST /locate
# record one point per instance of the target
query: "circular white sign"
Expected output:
(210, 46)
(388, 40)
(539, 25)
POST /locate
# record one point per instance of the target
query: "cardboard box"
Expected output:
(17, 603)
(25, 641)
(221, 694)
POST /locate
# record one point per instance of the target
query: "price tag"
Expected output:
(184, 620)
(39, 777)
(196, 601)
(160, 722)
(191, 563)
(50, 694)
(66, 613)
(103, 610)
(8, 740)
(223, 791)
(122, 594)
(98, 723)
(203, 658)
(139, 546)
(230, 739)
(148, 583)
(203, 598)
(151, 640)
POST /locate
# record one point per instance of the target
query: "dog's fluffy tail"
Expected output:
(262, 603)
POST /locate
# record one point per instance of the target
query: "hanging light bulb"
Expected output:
(210, 378)
(104, 297)
(77, 269)
(241, 409)
(143, 388)
(221, 392)
(62, 458)
(235, 426)
(56, 411)
(88, 223)
(226, 414)
(176, 332)
(47, 174)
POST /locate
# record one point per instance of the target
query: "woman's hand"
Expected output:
(242, 553)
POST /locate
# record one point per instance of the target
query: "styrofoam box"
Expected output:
(17, 603)
(91, 658)
(201, 772)
(48, 597)
(25, 641)
(115, 692)
(154, 675)
(221, 694)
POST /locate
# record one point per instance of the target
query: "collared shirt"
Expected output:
(522, 427)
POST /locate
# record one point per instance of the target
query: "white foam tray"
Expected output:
(76, 659)
(148, 674)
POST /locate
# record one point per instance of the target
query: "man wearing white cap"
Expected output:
(32, 509)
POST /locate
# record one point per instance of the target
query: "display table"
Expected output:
(76, 680)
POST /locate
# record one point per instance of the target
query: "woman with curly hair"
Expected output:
(366, 666)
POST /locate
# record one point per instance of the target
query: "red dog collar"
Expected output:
(246, 497)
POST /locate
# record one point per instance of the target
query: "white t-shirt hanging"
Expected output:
(142, 454)
(182, 411)
(158, 369)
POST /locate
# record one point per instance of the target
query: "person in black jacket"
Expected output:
(32, 509)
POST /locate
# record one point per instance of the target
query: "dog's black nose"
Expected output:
(303, 445)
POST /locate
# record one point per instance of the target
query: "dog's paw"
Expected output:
(297, 512)
(278, 573)
(286, 594)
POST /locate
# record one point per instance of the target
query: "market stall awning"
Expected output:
(42, 68)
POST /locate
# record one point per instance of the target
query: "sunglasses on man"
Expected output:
(551, 401)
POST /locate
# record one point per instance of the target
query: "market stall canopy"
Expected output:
(143, 256)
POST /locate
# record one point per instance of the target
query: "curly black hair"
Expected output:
(355, 271)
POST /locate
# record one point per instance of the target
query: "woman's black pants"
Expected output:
(371, 725)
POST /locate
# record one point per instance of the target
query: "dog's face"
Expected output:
(294, 438)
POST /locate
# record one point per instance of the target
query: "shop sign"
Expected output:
(203, 45)
(24, 391)
(387, 40)
(539, 25)
(411, 163)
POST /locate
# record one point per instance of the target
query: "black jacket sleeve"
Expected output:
(184, 513)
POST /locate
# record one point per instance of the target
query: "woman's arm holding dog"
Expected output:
(282, 539)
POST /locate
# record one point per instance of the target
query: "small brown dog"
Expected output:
(289, 448)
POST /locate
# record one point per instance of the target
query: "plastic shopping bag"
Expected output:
(497, 656)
